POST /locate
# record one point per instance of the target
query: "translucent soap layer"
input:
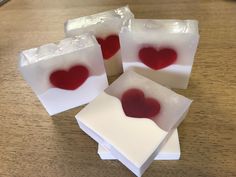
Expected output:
(106, 27)
(158, 49)
(63, 75)
(65, 46)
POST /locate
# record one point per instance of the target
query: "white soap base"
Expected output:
(170, 151)
(134, 142)
(57, 100)
(174, 76)
(85, 123)
(134, 162)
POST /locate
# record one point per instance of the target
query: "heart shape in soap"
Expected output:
(71, 79)
(157, 59)
(110, 45)
(136, 105)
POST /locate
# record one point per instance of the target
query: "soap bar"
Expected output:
(133, 118)
(162, 50)
(169, 151)
(106, 27)
(63, 75)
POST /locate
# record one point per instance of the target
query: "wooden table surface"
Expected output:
(34, 144)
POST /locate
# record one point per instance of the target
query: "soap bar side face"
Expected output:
(39, 73)
(170, 151)
(165, 55)
(105, 27)
(180, 36)
(60, 73)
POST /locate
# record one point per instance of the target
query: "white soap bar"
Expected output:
(133, 119)
(106, 27)
(169, 151)
(63, 75)
(162, 50)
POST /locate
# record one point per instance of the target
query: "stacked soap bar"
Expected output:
(63, 75)
(162, 50)
(131, 109)
(106, 27)
(135, 119)
(169, 151)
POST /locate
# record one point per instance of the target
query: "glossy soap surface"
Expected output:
(136, 105)
(71, 79)
(105, 26)
(62, 74)
(157, 59)
(162, 50)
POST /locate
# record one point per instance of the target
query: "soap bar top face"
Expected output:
(113, 18)
(143, 98)
(131, 109)
(63, 47)
(163, 26)
(62, 74)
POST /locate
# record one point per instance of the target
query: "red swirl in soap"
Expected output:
(110, 45)
(69, 79)
(135, 104)
(157, 59)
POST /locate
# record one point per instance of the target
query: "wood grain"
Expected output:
(33, 144)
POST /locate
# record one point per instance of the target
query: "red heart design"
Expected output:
(136, 105)
(157, 59)
(110, 45)
(71, 79)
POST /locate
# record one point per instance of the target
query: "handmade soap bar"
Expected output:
(169, 151)
(63, 75)
(133, 118)
(106, 27)
(162, 50)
